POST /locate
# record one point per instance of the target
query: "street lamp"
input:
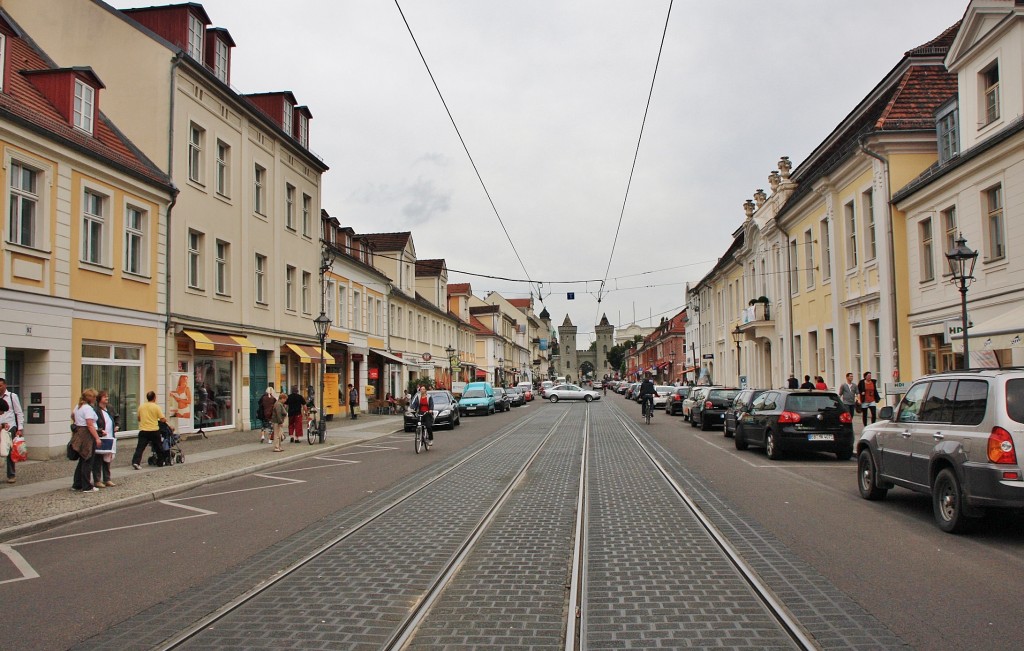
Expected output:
(500, 371)
(451, 373)
(737, 336)
(961, 264)
(322, 324)
(672, 362)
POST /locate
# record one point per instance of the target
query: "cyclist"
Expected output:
(647, 393)
(424, 406)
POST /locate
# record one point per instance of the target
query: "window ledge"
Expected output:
(262, 305)
(259, 215)
(996, 262)
(138, 278)
(195, 290)
(98, 268)
(226, 198)
(28, 250)
(198, 185)
(222, 297)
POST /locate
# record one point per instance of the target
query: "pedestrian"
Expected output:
(867, 392)
(266, 406)
(278, 417)
(792, 382)
(14, 404)
(848, 394)
(423, 405)
(819, 383)
(296, 408)
(807, 383)
(104, 453)
(353, 400)
(150, 417)
(7, 426)
(84, 441)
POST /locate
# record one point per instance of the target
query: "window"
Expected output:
(94, 217)
(798, 361)
(995, 231)
(970, 402)
(875, 336)
(303, 130)
(938, 406)
(118, 368)
(289, 287)
(329, 291)
(927, 251)
(826, 252)
(809, 257)
(220, 63)
(223, 270)
(307, 216)
(868, 202)
(286, 118)
(85, 106)
(379, 318)
(24, 226)
(195, 259)
(357, 311)
(259, 189)
(342, 311)
(794, 275)
(3, 59)
(990, 93)
(223, 168)
(214, 388)
(949, 226)
(289, 206)
(134, 240)
(195, 37)
(195, 152)
(855, 349)
(850, 217)
(911, 405)
(260, 281)
(947, 126)
(830, 353)
(307, 281)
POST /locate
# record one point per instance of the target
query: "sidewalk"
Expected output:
(42, 496)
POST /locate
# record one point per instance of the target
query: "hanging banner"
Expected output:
(180, 404)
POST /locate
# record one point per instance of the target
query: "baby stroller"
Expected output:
(170, 451)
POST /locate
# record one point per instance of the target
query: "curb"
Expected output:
(30, 528)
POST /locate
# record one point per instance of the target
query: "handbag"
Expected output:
(19, 450)
(72, 454)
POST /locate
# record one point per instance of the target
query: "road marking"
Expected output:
(19, 562)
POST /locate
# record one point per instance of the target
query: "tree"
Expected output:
(593, 346)
(616, 356)
(414, 385)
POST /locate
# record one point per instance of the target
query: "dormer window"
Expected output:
(303, 131)
(196, 30)
(85, 104)
(989, 81)
(286, 119)
(220, 60)
(947, 127)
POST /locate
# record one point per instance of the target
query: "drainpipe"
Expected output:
(892, 252)
(174, 198)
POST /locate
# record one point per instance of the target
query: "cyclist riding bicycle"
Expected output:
(424, 406)
(647, 393)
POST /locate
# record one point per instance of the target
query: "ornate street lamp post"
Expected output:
(322, 324)
(961, 264)
(737, 336)
(451, 365)
(500, 371)
(672, 363)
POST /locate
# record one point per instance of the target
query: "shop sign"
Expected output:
(373, 373)
(356, 357)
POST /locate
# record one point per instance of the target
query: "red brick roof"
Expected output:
(479, 326)
(387, 241)
(520, 302)
(429, 268)
(24, 102)
(459, 288)
(921, 91)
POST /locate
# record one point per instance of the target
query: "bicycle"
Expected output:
(648, 409)
(313, 430)
(422, 440)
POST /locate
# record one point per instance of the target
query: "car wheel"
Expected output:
(704, 426)
(740, 440)
(693, 423)
(588, 399)
(771, 446)
(948, 502)
(554, 398)
(867, 477)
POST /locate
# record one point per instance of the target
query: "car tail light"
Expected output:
(675, 398)
(1000, 447)
(845, 418)
(789, 417)
(708, 405)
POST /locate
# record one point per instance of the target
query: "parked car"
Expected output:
(674, 404)
(953, 436)
(544, 386)
(517, 395)
(710, 411)
(597, 386)
(632, 391)
(661, 395)
(739, 407)
(527, 388)
(791, 419)
(446, 412)
(502, 400)
(572, 392)
(696, 395)
(621, 388)
(477, 398)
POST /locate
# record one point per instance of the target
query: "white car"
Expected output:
(662, 395)
(571, 392)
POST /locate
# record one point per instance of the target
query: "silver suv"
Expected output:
(954, 436)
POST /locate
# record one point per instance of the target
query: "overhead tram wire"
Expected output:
(462, 140)
(636, 155)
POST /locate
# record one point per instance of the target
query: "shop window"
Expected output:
(213, 392)
(117, 369)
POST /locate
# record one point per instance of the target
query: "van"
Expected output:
(477, 398)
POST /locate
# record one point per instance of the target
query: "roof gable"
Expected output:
(983, 20)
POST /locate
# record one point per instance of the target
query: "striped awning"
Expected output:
(217, 341)
(309, 354)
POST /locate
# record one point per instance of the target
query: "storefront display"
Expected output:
(213, 392)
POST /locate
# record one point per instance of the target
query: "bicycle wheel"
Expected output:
(311, 431)
(647, 414)
(419, 438)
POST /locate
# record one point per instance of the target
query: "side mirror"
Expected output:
(886, 413)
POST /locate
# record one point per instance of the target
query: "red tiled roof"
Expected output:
(425, 268)
(24, 102)
(387, 241)
(920, 92)
(459, 288)
(480, 327)
(520, 302)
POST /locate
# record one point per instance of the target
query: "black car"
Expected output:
(517, 395)
(710, 412)
(741, 405)
(502, 401)
(446, 411)
(792, 419)
(674, 405)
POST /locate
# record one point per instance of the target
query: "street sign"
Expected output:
(708, 356)
(426, 357)
(896, 388)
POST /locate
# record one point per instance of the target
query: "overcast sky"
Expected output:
(549, 96)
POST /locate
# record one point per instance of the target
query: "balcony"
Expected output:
(756, 322)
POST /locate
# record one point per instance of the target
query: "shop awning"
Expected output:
(480, 373)
(1005, 330)
(388, 356)
(309, 354)
(663, 365)
(217, 341)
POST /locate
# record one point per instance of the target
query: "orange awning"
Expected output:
(309, 354)
(217, 341)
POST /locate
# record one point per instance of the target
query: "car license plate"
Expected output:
(821, 437)
(470, 408)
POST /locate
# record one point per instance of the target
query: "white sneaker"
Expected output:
(263, 439)
(91, 490)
